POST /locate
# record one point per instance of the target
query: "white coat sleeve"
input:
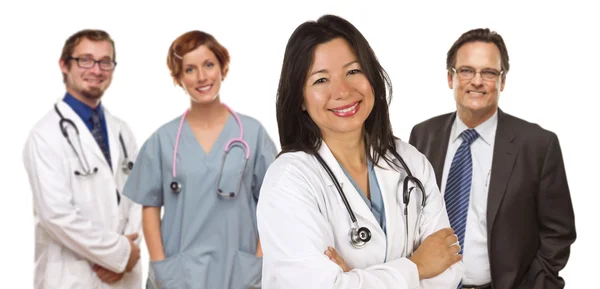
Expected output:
(53, 203)
(435, 218)
(294, 236)
(134, 220)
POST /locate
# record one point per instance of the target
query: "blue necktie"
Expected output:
(99, 137)
(458, 187)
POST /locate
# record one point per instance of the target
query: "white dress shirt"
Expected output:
(475, 252)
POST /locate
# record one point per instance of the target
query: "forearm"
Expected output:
(60, 217)
(151, 226)
(291, 273)
(259, 252)
(107, 249)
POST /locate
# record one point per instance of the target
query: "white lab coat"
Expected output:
(300, 213)
(78, 222)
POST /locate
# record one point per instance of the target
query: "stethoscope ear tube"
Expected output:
(407, 179)
(338, 187)
(87, 170)
(359, 236)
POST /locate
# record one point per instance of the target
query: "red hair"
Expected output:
(189, 41)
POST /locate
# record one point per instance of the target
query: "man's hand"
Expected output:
(106, 275)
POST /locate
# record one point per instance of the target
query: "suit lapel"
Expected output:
(439, 148)
(505, 153)
(388, 178)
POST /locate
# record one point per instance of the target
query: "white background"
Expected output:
(553, 49)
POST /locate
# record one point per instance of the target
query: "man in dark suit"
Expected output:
(503, 178)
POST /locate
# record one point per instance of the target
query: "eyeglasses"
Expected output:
(467, 73)
(88, 62)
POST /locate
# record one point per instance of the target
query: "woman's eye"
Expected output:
(320, 80)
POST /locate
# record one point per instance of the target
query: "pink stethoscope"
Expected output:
(176, 186)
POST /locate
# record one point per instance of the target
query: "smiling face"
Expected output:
(201, 75)
(88, 84)
(477, 96)
(337, 94)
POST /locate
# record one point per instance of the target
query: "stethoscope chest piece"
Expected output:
(175, 187)
(127, 167)
(359, 237)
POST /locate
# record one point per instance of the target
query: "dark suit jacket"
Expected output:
(531, 224)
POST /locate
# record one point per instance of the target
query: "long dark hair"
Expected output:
(297, 131)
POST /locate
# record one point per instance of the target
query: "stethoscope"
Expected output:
(176, 186)
(360, 236)
(87, 170)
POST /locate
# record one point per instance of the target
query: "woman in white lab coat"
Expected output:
(332, 104)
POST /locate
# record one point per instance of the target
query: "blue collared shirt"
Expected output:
(85, 113)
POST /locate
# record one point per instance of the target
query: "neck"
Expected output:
(474, 118)
(207, 114)
(92, 103)
(348, 149)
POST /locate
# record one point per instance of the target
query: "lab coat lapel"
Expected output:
(358, 205)
(88, 142)
(388, 179)
(113, 130)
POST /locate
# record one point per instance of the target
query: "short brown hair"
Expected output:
(481, 35)
(189, 41)
(75, 39)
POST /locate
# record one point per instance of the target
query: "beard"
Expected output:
(93, 93)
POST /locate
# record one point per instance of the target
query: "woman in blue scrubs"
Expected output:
(205, 167)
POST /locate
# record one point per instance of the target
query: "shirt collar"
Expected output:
(486, 130)
(82, 109)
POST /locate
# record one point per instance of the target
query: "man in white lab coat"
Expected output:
(77, 157)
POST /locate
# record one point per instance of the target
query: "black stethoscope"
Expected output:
(359, 236)
(87, 170)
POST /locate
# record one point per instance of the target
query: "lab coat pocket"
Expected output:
(166, 274)
(247, 270)
(82, 185)
(53, 275)
(69, 274)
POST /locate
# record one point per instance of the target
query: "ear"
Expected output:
(450, 80)
(502, 82)
(63, 66)
(224, 71)
(303, 107)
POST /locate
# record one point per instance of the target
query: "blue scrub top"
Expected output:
(376, 202)
(209, 241)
